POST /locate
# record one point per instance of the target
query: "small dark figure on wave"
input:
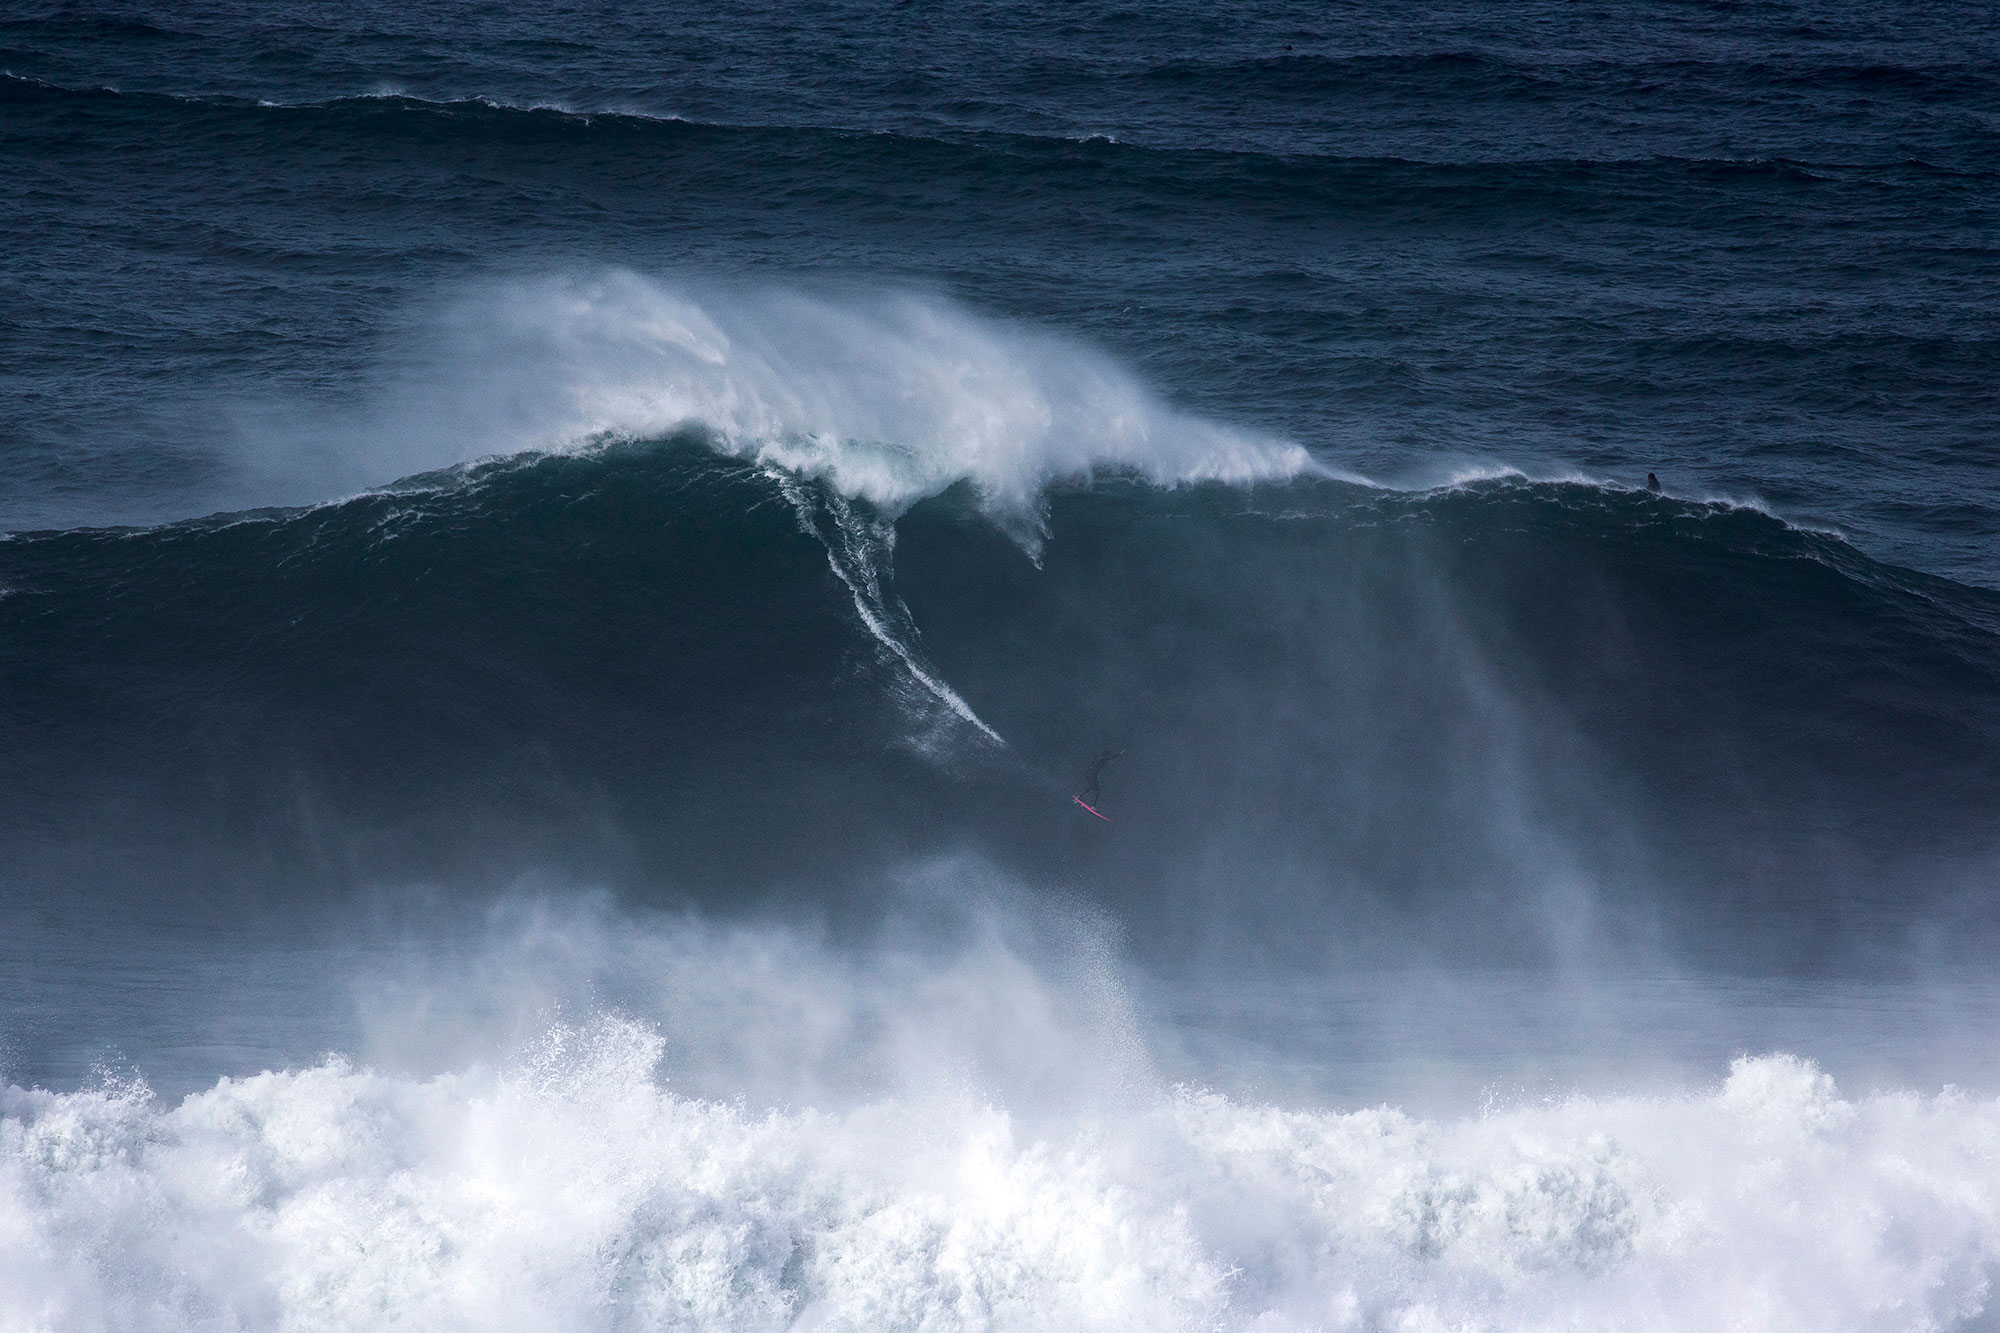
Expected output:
(1089, 792)
(1652, 483)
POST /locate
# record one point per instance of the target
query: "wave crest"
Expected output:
(890, 399)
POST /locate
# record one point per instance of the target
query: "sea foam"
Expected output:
(572, 1190)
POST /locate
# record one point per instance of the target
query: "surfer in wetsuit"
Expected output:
(1652, 483)
(1089, 791)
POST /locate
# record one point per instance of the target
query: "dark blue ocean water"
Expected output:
(575, 556)
(1749, 248)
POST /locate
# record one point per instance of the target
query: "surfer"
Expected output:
(1090, 774)
(1652, 483)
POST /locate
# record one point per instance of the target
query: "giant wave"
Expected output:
(639, 660)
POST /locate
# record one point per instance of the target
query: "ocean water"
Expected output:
(559, 569)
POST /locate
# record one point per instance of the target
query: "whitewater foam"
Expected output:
(572, 1190)
(887, 398)
(955, 1127)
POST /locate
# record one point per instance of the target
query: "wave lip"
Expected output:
(889, 399)
(572, 1190)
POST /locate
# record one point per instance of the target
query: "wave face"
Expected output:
(643, 659)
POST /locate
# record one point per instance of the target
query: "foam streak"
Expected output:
(857, 552)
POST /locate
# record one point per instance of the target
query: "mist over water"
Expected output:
(962, 1119)
(891, 398)
(561, 572)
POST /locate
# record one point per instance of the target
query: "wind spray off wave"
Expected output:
(888, 398)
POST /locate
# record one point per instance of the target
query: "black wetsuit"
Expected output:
(1090, 774)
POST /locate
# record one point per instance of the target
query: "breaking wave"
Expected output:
(573, 1190)
(889, 399)
(951, 1122)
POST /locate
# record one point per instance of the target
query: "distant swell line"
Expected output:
(480, 105)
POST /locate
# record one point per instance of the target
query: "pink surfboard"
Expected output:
(1093, 809)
